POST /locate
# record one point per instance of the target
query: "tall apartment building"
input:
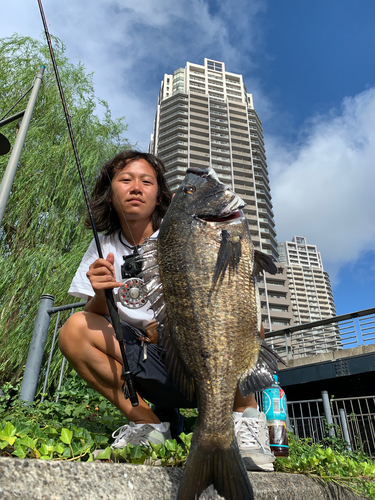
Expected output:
(311, 294)
(205, 117)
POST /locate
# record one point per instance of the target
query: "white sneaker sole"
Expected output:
(252, 466)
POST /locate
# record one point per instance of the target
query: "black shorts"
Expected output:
(151, 380)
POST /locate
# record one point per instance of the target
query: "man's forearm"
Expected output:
(97, 304)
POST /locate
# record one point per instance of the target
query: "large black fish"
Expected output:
(207, 306)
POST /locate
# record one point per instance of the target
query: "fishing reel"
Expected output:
(132, 294)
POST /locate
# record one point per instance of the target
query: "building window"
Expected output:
(212, 65)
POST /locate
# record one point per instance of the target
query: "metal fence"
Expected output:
(306, 419)
(36, 368)
(360, 420)
(354, 420)
(326, 335)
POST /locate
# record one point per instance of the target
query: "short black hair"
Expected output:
(105, 217)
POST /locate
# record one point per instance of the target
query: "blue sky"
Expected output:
(310, 68)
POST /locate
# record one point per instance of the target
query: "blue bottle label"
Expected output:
(274, 405)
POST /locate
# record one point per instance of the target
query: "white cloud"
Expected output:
(323, 187)
(130, 45)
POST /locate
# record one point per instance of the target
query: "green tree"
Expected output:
(42, 238)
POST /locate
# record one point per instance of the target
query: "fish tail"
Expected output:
(222, 467)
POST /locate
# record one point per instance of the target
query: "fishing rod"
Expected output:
(129, 386)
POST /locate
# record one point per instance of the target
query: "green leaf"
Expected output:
(8, 433)
(59, 449)
(171, 444)
(51, 431)
(102, 406)
(44, 450)
(22, 429)
(27, 441)
(100, 440)
(136, 451)
(105, 454)
(67, 453)
(66, 436)
(186, 438)
(156, 447)
(19, 452)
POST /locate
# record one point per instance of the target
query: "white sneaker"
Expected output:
(141, 434)
(253, 440)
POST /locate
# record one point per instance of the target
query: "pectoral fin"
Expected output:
(263, 262)
(260, 376)
(229, 254)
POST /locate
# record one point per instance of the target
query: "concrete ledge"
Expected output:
(42, 480)
(328, 356)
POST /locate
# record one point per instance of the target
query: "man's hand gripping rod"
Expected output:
(129, 387)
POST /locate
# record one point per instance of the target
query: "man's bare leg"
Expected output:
(240, 403)
(89, 343)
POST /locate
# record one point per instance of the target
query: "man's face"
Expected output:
(135, 191)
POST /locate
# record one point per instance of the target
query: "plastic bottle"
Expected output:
(274, 407)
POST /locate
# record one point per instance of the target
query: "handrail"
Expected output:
(321, 322)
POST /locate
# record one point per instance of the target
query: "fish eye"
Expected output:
(190, 189)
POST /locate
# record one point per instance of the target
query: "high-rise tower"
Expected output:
(205, 117)
(311, 294)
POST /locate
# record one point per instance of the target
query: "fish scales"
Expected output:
(206, 261)
(214, 328)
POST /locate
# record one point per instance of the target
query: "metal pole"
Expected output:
(344, 427)
(38, 341)
(287, 422)
(12, 118)
(327, 413)
(10, 172)
(61, 378)
(50, 356)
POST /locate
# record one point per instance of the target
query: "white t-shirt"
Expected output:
(81, 286)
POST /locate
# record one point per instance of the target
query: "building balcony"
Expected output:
(240, 151)
(174, 153)
(278, 314)
(239, 127)
(173, 101)
(218, 129)
(194, 162)
(198, 123)
(244, 183)
(199, 132)
(168, 118)
(247, 198)
(240, 163)
(276, 301)
(263, 201)
(273, 287)
(237, 134)
(201, 137)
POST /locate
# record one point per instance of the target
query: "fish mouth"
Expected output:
(234, 215)
(232, 211)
